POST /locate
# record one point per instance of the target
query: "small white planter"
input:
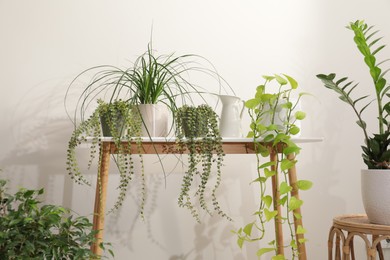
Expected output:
(155, 120)
(375, 187)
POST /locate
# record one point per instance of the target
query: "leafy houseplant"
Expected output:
(122, 122)
(376, 153)
(31, 231)
(197, 131)
(273, 137)
(152, 79)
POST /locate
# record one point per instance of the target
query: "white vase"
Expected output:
(375, 188)
(155, 120)
(232, 108)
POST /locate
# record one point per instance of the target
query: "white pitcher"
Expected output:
(232, 109)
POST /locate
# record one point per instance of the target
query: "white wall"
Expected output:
(44, 44)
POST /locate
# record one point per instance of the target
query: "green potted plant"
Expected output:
(117, 120)
(153, 83)
(29, 230)
(197, 132)
(273, 123)
(376, 154)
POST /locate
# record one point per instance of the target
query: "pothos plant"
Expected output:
(197, 131)
(376, 152)
(120, 121)
(273, 122)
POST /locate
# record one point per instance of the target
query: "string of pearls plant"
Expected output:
(197, 131)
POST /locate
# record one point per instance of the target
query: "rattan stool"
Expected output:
(346, 227)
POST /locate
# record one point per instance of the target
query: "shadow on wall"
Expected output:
(36, 147)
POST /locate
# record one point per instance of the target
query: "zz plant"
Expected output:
(197, 132)
(273, 123)
(376, 153)
(120, 121)
(29, 230)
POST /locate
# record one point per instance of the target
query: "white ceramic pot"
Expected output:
(375, 185)
(155, 120)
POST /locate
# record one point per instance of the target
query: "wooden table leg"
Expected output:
(276, 198)
(292, 175)
(100, 198)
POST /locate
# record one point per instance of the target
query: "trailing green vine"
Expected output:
(197, 131)
(273, 122)
(120, 121)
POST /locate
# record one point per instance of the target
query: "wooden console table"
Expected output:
(162, 145)
(346, 227)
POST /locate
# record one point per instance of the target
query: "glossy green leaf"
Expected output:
(299, 115)
(252, 103)
(292, 81)
(263, 251)
(284, 188)
(248, 229)
(280, 80)
(286, 164)
(278, 257)
(300, 230)
(294, 203)
(304, 184)
(270, 214)
(267, 200)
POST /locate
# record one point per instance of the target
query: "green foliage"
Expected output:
(31, 231)
(151, 79)
(123, 122)
(197, 131)
(376, 154)
(273, 123)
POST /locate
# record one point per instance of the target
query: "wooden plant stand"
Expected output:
(160, 146)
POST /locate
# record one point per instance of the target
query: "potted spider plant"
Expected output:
(274, 120)
(375, 180)
(197, 132)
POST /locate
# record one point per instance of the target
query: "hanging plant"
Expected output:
(197, 131)
(120, 121)
(273, 123)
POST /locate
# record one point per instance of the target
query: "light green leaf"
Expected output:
(270, 214)
(300, 115)
(294, 130)
(268, 173)
(248, 229)
(269, 78)
(302, 240)
(304, 184)
(293, 82)
(300, 230)
(280, 80)
(240, 242)
(278, 257)
(297, 215)
(263, 251)
(283, 200)
(267, 200)
(294, 203)
(267, 164)
(286, 164)
(284, 188)
(252, 103)
(291, 150)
